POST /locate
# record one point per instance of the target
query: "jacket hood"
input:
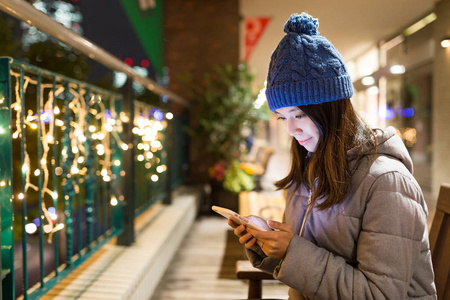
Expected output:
(389, 144)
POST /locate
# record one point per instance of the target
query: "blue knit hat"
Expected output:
(305, 68)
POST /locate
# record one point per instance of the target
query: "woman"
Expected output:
(355, 218)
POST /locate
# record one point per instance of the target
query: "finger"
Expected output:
(246, 238)
(232, 223)
(279, 226)
(251, 244)
(240, 230)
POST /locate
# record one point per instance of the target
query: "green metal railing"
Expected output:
(63, 148)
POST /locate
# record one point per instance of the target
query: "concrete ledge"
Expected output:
(119, 272)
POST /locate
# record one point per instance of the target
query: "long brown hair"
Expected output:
(340, 130)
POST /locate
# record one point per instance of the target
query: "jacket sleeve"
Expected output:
(388, 247)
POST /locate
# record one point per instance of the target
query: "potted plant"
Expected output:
(223, 106)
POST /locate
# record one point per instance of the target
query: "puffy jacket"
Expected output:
(374, 245)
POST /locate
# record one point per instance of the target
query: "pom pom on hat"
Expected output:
(306, 68)
(302, 24)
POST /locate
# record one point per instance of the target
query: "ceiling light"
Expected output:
(420, 24)
(373, 90)
(397, 69)
(445, 42)
(368, 80)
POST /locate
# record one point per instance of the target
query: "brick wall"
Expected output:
(198, 34)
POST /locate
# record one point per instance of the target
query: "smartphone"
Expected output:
(237, 218)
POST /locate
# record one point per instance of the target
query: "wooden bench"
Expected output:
(245, 270)
(440, 243)
(268, 205)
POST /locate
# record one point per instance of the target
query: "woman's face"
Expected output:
(299, 126)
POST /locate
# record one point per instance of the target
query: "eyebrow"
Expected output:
(291, 110)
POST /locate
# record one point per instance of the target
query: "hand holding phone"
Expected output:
(237, 218)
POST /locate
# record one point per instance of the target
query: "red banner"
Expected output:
(254, 28)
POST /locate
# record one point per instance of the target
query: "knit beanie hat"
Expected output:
(305, 68)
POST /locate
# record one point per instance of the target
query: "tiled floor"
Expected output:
(199, 272)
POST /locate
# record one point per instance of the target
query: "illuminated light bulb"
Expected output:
(37, 172)
(55, 195)
(124, 146)
(2, 130)
(34, 126)
(80, 159)
(59, 123)
(124, 118)
(92, 128)
(56, 110)
(154, 178)
(49, 139)
(59, 226)
(43, 161)
(147, 147)
(104, 172)
(47, 228)
(30, 118)
(94, 136)
(135, 130)
(2, 183)
(122, 173)
(111, 121)
(159, 169)
(25, 168)
(169, 116)
(140, 146)
(148, 165)
(100, 147)
(82, 138)
(100, 152)
(149, 155)
(75, 170)
(140, 157)
(15, 135)
(30, 228)
(108, 127)
(114, 201)
(74, 149)
(100, 136)
(78, 132)
(21, 196)
(155, 144)
(116, 162)
(106, 178)
(159, 126)
(58, 171)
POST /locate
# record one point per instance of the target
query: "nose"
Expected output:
(292, 127)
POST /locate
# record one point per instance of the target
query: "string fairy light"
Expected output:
(92, 123)
(48, 114)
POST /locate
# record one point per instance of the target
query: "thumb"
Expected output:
(278, 226)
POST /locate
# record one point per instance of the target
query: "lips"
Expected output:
(304, 142)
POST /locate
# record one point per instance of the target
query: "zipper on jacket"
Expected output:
(306, 214)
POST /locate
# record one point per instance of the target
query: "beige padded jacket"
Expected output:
(374, 245)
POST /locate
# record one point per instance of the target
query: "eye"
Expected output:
(281, 118)
(300, 116)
